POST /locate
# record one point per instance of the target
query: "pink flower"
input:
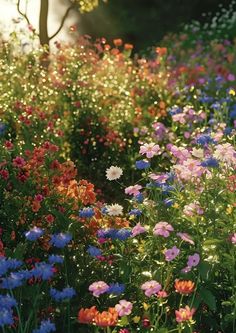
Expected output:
(193, 260)
(133, 190)
(172, 253)
(18, 162)
(186, 269)
(151, 287)
(137, 230)
(98, 288)
(124, 308)
(233, 238)
(193, 209)
(184, 314)
(162, 229)
(162, 294)
(124, 330)
(185, 237)
(150, 149)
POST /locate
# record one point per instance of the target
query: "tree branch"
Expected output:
(62, 22)
(22, 14)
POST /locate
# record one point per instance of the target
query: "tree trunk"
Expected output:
(43, 32)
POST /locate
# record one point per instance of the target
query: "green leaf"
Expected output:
(204, 270)
(208, 298)
(213, 241)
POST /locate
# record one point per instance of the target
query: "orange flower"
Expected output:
(86, 316)
(128, 46)
(161, 50)
(184, 314)
(106, 318)
(184, 287)
(117, 42)
(35, 206)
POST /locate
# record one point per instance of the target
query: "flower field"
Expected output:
(117, 186)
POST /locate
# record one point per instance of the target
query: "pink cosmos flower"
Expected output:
(184, 314)
(98, 288)
(159, 178)
(185, 237)
(124, 308)
(138, 229)
(150, 149)
(162, 294)
(133, 190)
(151, 288)
(193, 209)
(233, 238)
(193, 260)
(172, 253)
(18, 162)
(162, 229)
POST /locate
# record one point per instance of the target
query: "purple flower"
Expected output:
(137, 230)
(185, 237)
(162, 229)
(151, 287)
(172, 253)
(193, 260)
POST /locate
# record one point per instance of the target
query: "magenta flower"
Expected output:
(186, 269)
(133, 190)
(98, 288)
(193, 260)
(151, 288)
(124, 308)
(150, 149)
(137, 230)
(172, 253)
(18, 162)
(185, 237)
(233, 238)
(162, 229)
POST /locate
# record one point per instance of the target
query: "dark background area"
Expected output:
(145, 22)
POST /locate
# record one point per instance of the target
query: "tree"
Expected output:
(81, 5)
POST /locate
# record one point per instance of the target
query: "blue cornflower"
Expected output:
(46, 326)
(33, 234)
(43, 271)
(13, 263)
(66, 293)
(60, 240)
(228, 130)
(55, 259)
(8, 302)
(6, 317)
(204, 140)
(106, 233)
(216, 106)
(123, 234)
(116, 289)
(166, 189)
(3, 266)
(174, 110)
(12, 281)
(138, 198)
(104, 210)
(135, 212)
(210, 162)
(232, 113)
(86, 212)
(142, 164)
(94, 251)
(168, 202)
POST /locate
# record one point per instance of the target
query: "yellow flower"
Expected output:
(136, 319)
(229, 210)
(232, 92)
(176, 205)
(146, 306)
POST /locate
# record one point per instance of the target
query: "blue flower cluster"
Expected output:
(142, 164)
(46, 326)
(9, 264)
(204, 140)
(210, 162)
(94, 251)
(116, 289)
(60, 240)
(114, 234)
(6, 313)
(66, 293)
(86, 212)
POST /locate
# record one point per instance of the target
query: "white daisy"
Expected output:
(114, 210)
(113, 173)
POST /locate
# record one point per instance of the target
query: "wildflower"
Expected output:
(184, 287)
(86, 316)
(210, 162)
(233, 238)
(86, 212)
(193, 209)
(49, 218)
(123, 234)
(162, 229)
(55, 259)
(116, 289)
(162, 294)
(13, 281)
(124, 330)
(60, 240)
(135, 212)
(193, 260)
(106, 318)
(133, 190)
(114, 173)
(98, 288)
(18, 162)
(225, 153)
(150, 149)
(66, 293)
(137, 230)
(184, 314)
(7, 301)
(151, 287)
(185, 237)
(124, 308)
(46, 326)
(34, 234)
(6, 317)
(43, 271)
(114, 210)
(142, 164)
(94, 251)
(171, 254)
(204, 140)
